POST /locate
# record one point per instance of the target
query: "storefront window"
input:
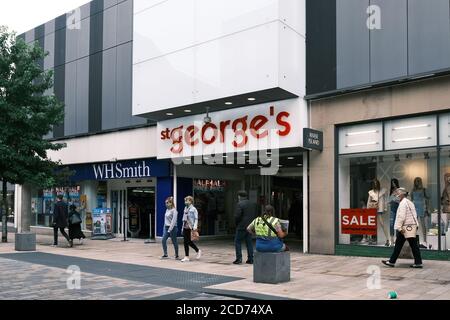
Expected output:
(366, 182)
(43, 201)
(209, 198)
(445, 198)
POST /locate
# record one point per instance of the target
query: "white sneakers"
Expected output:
(199, 255)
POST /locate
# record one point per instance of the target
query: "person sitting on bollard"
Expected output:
(269, 233)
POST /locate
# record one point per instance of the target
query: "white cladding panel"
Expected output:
(120, 145)
(189, 51)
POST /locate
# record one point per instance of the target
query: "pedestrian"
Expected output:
(406, 225)
(60, 215)
(269, 233)
(170, 228)
(75, 224)
(244, 215)
(190, 223)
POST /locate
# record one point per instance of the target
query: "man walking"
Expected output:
(406, 219)
(244, 215)
(60, 216)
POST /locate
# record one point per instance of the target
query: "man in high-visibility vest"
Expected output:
(268, 232)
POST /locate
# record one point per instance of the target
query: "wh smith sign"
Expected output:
(130, 169)
(266, 126)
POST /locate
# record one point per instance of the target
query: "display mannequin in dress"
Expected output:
(377, 200)
(445, 199)
(393, 204)
(420, 199)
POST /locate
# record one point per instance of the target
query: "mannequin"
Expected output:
(420, 199)
(377, 200)
(393, 203)
(445, 199)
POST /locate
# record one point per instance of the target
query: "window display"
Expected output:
(368, 182)
(445, 198)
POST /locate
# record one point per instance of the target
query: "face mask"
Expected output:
(167, 206)
(187, 204)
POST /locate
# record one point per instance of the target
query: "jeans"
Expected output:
(188, 242)
(269, 245)
(392, 216)
(173, 235)
(241, 235)
(55, 235)
(399, 245)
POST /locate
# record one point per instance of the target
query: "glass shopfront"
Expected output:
(375, 159)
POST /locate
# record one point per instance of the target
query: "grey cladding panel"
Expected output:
(429, 35)
(70, 117)
(389, 45)
(109, 111)
(125, 22)
(49, 60)
(72, 35)
(82, 121)
(110, 28)
(352, 43)
(84, 38)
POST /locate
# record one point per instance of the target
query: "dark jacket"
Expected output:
(246, 212)
(60, 214)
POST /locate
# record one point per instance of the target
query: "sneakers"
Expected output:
(199, 254)
(388, 243)
(185, 259)
(81, 241)
(237, 261)
(165, 256)
(416, 266)
(177, 258)
(54, 245)
(388, 263)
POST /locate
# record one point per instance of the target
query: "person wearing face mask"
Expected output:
(170, 228)
(406, 224)
(190, 222)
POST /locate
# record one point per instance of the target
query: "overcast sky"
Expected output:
(23, 15)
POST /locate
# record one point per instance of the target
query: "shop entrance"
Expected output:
(141, 212)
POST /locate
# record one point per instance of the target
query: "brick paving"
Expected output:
(312, 276)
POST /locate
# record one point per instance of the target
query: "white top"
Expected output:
(380, 197)
(406, 214)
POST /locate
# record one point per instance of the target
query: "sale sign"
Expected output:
(359, 221)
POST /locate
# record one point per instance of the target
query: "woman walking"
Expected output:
(190, 222)
(75, 224)
(170, 228)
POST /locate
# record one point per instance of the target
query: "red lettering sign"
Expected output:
(359, 221)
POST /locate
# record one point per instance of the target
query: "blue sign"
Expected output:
(129, 169)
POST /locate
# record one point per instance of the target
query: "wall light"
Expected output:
(411, 139)
(412, 127)
(360, 132)
(362, 144)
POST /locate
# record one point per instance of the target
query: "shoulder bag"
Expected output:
(410, 230)
(75, 218)
(271, 227)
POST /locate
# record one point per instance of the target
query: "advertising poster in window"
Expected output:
(102, 219)
(359, 221)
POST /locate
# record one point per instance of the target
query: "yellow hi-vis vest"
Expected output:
(263, 230)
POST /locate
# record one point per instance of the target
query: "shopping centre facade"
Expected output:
(204, 98)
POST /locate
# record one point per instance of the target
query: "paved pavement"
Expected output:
(113, 269)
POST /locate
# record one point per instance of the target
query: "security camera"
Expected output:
(207, 118)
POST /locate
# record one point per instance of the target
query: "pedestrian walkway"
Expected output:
(312, 276)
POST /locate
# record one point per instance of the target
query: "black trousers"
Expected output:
(188, 242)
(55, 235)
(414, 244)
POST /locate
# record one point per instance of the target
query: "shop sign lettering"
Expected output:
(119, 171)
(260, 127)
(359, 221)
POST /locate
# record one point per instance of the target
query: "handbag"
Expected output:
(75, 218)
(195, 236)
(410, 230)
